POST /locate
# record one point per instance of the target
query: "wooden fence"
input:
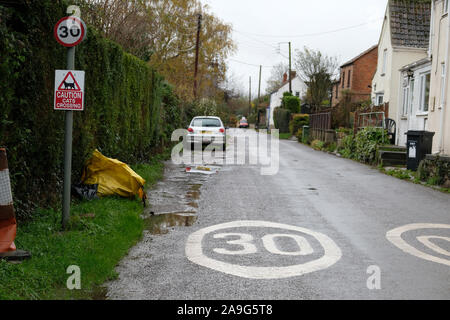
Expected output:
(320, 127)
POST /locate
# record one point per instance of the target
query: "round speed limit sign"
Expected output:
(70, 31)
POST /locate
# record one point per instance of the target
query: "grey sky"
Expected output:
(256, 21)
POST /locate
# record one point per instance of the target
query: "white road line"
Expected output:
(395, 237)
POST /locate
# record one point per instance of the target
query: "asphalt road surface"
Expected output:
(323, 227)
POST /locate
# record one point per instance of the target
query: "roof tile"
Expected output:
(410, 23)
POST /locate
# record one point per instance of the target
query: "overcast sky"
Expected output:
(259, 25)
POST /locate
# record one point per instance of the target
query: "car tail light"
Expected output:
(191, 130)
(222, 130)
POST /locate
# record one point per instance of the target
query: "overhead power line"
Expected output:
(249, 64)
(257, 40)
(308, 34)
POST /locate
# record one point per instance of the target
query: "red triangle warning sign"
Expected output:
(69, 84)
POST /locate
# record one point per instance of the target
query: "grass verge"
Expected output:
(285, 136)
(101, 233)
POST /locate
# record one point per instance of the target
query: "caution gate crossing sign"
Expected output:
(69, 90)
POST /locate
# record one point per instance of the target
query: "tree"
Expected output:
(316, 70)
(275, 81)
(125, 22)
(164, 33)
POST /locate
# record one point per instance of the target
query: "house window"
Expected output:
(411, 94)
(424, 92)
(379, 99)
(406, 96)
(384, 61)
(343, 79)
(337, 91)
(297, 94)
(349, 78)
(446, 6)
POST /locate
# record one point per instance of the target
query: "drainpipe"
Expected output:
(445, 98)
(430, 43)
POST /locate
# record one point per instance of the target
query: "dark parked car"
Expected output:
(243, 124)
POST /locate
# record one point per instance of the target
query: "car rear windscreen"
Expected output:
(206, 123)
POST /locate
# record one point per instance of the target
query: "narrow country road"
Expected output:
(316, 230)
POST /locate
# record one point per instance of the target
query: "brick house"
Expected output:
(356, 76)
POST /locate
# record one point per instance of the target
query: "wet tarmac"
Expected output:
(353, 204)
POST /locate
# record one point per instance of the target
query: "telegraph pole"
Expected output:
(259, 87)
(197, 49)
(290, 63)
(290, 68)
(250, 97)
(258, 118)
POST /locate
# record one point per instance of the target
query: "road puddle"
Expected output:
(161, 224)
(175, 200)
(193, 195)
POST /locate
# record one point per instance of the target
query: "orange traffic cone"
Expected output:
(8, 225)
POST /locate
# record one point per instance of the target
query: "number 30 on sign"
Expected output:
(70, 31)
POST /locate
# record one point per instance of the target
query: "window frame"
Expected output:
(377, 99)
(424, 102)
(412, 86)
(406, 97)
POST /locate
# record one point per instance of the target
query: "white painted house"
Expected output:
(298, 89)
(404, 40)
(424, 85)
(414, 98)
(439, 109)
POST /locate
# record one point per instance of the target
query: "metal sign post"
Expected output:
(68, 149)
(69, 32)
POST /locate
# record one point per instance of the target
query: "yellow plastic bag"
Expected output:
(113, 177)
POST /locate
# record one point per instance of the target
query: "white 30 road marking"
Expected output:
(303, 244)
(395, 236)
(245, 241)
(194, 251)
(426, 241)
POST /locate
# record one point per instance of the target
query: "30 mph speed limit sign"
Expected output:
(70, 31)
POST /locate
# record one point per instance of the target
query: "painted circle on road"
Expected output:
(395, 236)
(194, 251)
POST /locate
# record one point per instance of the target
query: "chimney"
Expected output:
(285, 77)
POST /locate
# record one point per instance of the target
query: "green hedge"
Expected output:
(435, 171)
(281, 118)
(291, 103)
(364, 146)
(298, 122)
(128, 105)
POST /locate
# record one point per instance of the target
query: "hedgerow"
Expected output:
(129, 109)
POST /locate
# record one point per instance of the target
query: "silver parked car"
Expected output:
(207, 130)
